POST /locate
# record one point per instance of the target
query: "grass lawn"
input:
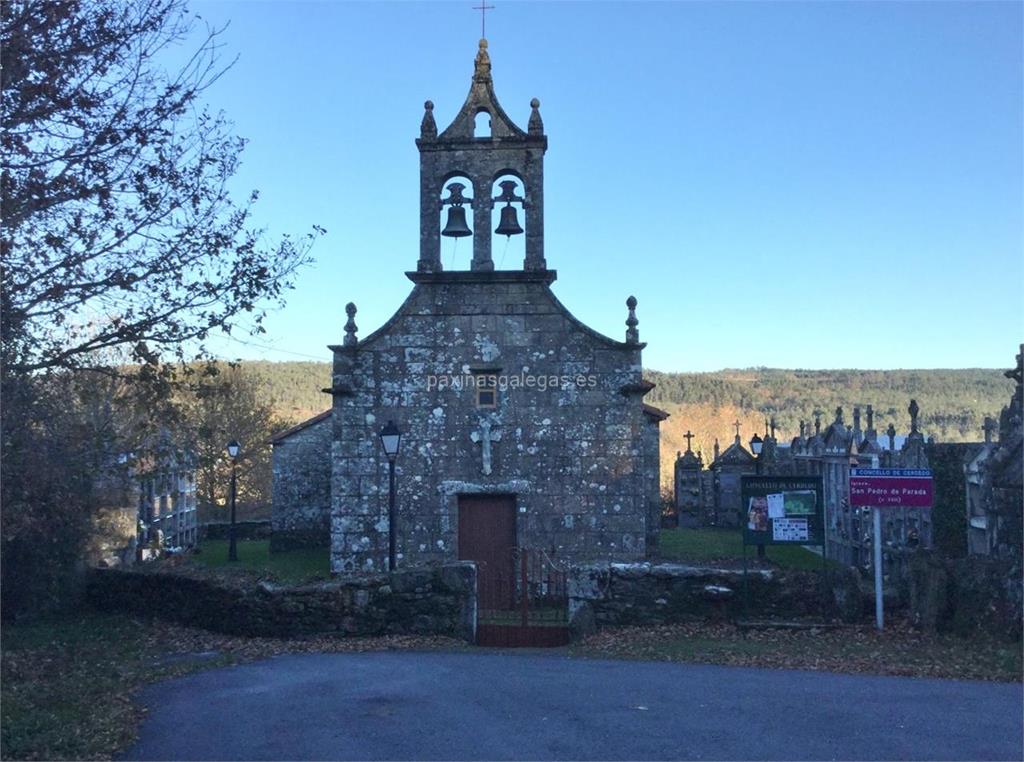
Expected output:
(301, 565)
(715, 544)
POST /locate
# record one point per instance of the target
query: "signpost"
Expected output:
(883, 488)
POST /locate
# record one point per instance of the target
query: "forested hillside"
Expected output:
(953, 403)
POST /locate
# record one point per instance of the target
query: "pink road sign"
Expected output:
(891, 487)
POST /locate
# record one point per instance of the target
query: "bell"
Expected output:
(509, 224)
(456, 227)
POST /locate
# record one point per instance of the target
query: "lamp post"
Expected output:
(391, 440)
(233, 449)
(756, 445)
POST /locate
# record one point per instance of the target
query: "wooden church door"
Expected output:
(487, 535)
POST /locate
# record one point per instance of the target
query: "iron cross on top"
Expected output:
(483, 8)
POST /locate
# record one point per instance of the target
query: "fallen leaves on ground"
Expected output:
(899, 650)
(69, 683)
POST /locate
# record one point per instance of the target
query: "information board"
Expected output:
(783, 510)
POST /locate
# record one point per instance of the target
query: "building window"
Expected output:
(486, 396)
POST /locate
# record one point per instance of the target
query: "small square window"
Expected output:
(485, 382)
(486, 397)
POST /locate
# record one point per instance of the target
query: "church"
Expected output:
(520, 426)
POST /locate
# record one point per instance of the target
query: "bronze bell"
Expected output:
(509, 224)
(456, 226)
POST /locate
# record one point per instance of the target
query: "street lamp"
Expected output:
(391, 440)
(233, 450)
(756, 445)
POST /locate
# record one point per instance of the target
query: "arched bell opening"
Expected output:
(482, 124)
(508, 221)
(456, 210)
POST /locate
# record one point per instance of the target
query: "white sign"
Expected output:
(789, 530)
(777, 506)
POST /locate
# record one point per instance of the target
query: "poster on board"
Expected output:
(782, 510)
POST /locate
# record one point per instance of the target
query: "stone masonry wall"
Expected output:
(302, 488)
(434, 601)
(258, 529)
(652, 476)
(646, 594)
(572, 454)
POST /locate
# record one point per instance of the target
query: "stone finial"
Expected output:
(803, 429)
(535, 125)
(773, 426)
(482, 65)
(891, 433)
(350, 326)
(871, 418)
(679, 454)
(989, 428)
(817, 424)
(632, 334)
(913, 410)
(428, 127)
(839, 415)
(766, 435)
(717, 448)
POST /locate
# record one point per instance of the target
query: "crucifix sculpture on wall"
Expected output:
(484, 437)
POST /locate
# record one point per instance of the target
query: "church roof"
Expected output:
(462, 277)
(299, 427)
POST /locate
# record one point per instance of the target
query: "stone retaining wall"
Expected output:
(642, 593)
(244, 530)
(425, 601)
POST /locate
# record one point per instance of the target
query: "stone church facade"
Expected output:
(521, 426)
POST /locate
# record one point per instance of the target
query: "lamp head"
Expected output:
(234, 448)
(390, 439)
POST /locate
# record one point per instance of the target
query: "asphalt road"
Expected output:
(530, 706)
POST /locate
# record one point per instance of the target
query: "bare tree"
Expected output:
(118, 230)
(118, 239)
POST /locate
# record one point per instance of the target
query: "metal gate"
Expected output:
(523, 601)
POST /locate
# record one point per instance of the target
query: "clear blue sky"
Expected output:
(811, 185)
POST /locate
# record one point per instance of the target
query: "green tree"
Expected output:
(225, 404)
